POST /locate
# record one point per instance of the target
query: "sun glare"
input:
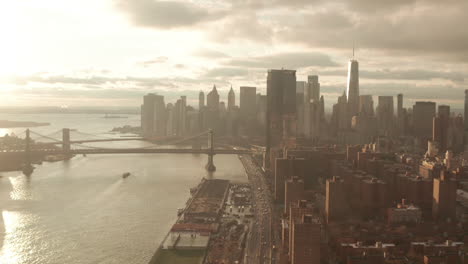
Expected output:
(10, 38)
(9, 253)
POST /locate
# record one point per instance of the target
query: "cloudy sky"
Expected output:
(111, 52)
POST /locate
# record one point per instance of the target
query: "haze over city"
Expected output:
(112, 52)
(234, 132)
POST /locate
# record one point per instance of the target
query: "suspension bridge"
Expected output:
(45, 145)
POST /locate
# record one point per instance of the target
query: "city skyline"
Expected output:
(234, 131)
(113, 52)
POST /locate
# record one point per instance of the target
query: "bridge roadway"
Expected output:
(137, 150)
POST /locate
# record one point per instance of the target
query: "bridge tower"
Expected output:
(28, 168)
(66, 141)
(210, 165)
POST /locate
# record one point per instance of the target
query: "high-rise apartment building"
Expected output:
(293, 192)
(305, 247)
(444, 197)
(335, 201)
(285, 169)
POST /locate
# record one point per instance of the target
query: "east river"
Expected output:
(83, 211)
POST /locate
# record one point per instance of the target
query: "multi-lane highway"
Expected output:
(261, 240)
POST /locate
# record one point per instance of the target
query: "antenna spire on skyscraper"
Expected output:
(353, 49)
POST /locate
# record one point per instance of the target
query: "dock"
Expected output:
(188, 240)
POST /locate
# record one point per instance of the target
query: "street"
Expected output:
(260, 243)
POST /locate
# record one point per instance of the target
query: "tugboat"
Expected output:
(125, 175)
(28, 169)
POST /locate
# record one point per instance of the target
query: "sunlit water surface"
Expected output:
(82, 211)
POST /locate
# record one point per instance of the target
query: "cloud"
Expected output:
(226, 72)
(399, 27)
(167, 14)
(158, 60)
(426, 28)
(211, 54)
(292, 60)
(242, 26)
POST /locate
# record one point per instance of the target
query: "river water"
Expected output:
(82, 211)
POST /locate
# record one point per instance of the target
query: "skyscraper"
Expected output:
(231, 100)
(211, 118)
(201, 112)
(153, 113)
(314, 86)
(300, 106)
(400, 106)
(352, 91)
(248, 100)
(248, 110)
(261, 109)
(281, 110)
(444, 111)
(423, 114)
(179, 115)
(212, 99)
(441, 127)
(312, 107)
(385, 114)
(201, 100)
(366, 105)
(401, 116)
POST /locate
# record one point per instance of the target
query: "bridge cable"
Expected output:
(42, 136)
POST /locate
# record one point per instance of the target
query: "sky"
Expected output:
(68, 53)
